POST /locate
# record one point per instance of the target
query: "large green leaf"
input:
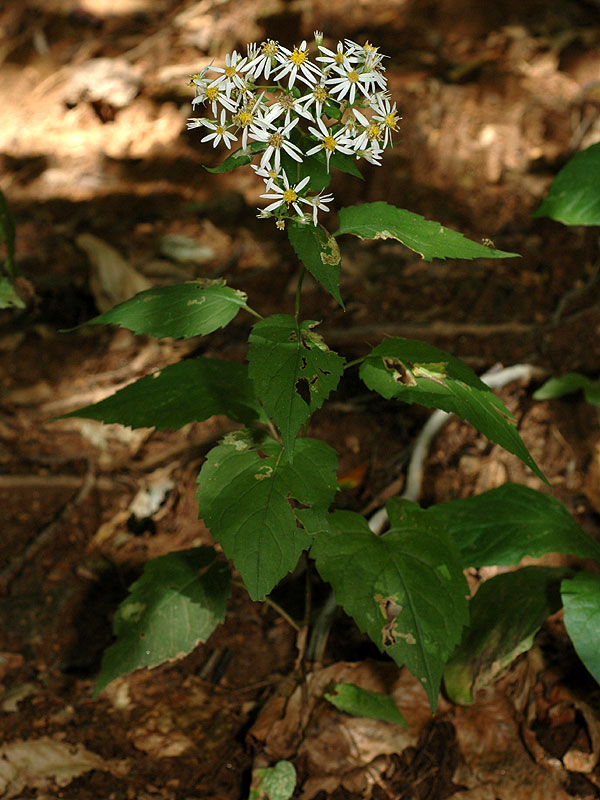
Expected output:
(189, 391)
(179, 311)
(581, 599)
(177, 603)
(415, 372)
(574, 197)
(502, 526)
(506, 613)
(382, 221)
(567, 384)
(361, 702)
(238, 158)
(405, 589)
(320, 255)
(244, 497)
(293, 371)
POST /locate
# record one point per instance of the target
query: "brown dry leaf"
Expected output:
(39, 762)
(338, 749)
(113, 280)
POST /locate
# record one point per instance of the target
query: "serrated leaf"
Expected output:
(7, 234)
(320, 255)
(415, 372)
(567, 384)
(194, 308)
(190, 391)
(244, 497)
(383, 221)
(581, 600)
(361, 702)
(574, 196)
(405, 589)
(274, 783)
(502, 526)
(506, 613)
(293, 371)
(177, 603)
(238, 158)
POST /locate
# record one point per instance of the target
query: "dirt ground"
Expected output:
(495, 98)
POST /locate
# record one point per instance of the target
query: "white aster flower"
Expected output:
(231, 74)
(248, 115)
(288, 104)
(194, 122)
(287, 195)
(262, 62)
(373, 156)
(345, 82)
(216, 96)
(317, 203)
(277, 140)
(371, 134)
(341, 58)
(219, 132)
(295, 63)
(387, 116)
(269, 175)
(330, 142)
(318, 95)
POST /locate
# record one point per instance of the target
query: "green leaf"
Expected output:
(314, 166)
(177, 603)
(502, 526)
(7, 234)
(567, 384)
(190, 391)
(238, 158)
(275, 783)
(244, 497)
(8, 296)
(581, 599)
(405, 589)
(415, 372)
(506, 613)
(361, 702)
(293, 371)
(344, 163)
(382, 221)
(320, 255)
(574, 196)
(194, 308)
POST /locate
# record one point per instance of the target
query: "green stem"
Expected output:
(275, 606)
(253, 312)
(354, 363)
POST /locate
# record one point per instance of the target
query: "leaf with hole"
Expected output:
(293, 371)
(405, 589)
(244, 491)
(415, 372)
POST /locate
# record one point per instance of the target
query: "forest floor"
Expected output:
(495, 98)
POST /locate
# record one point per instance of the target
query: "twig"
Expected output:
(47, 533)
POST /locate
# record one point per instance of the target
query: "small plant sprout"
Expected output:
(265, 491)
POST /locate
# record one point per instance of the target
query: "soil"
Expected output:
(495, 98)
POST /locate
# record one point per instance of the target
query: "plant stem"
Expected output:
(275, 606)
(299, 293)
(354, 363)
(253, 312)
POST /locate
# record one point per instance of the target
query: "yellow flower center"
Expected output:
(269, 48)
(391, 120)
(212, 93)
(339, 57)
(280, 224)
(276, 140)
(289, 196)
(220, 130)
(373, 131)
(244, 118)
(229, 72)
(320, 93)
(352, 76)
(298, 57)
(329, 143)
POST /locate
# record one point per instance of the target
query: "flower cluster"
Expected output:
(335, 106)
